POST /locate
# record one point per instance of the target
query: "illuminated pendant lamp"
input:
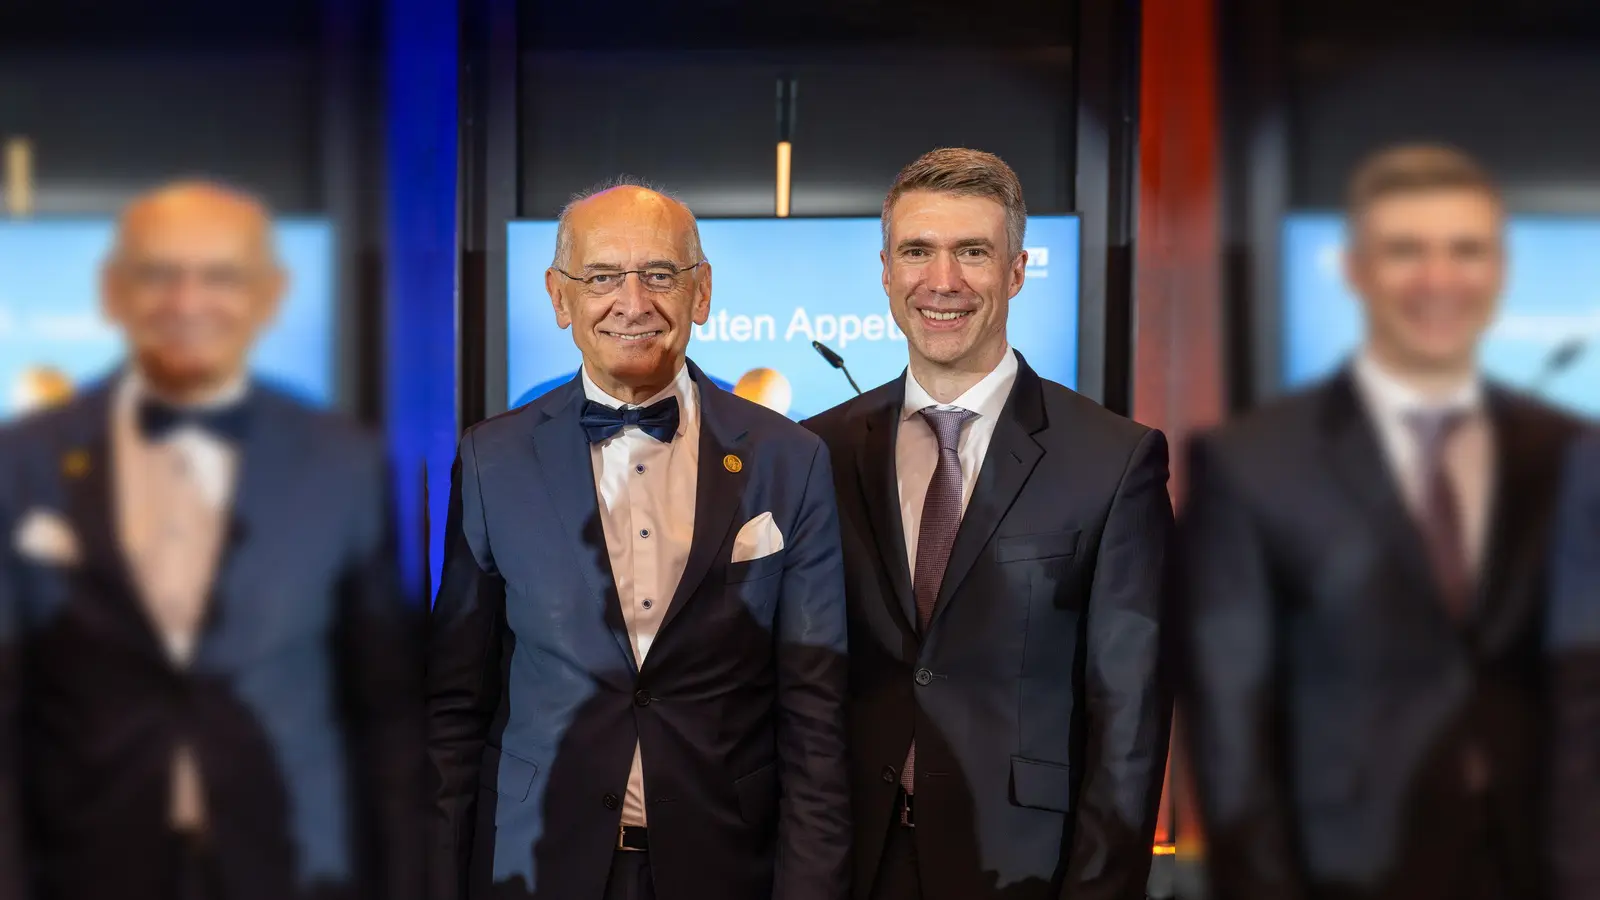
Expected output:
(786, 93)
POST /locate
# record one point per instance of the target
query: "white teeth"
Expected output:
(633, 337)
(942, 316)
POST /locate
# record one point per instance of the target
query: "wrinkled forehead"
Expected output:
(195, 228)
(631, 230)
(940, 218)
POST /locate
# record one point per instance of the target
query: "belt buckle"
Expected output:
(907, 816)
(622, 840)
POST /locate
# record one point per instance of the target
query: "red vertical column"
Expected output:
(1177, 318)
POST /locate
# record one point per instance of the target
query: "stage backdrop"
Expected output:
(53, 338)
(779, 284)
(1544, 339)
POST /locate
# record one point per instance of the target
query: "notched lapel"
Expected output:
(1013, 455)
(880, 496)
(568, 474)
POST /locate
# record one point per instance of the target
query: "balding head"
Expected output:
(629, 279)
(192, 280)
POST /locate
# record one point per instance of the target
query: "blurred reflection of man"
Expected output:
(206, 676)
(1362, 576)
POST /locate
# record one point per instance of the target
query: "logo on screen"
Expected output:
(1038, 261)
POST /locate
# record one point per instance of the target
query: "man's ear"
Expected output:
(552, 286)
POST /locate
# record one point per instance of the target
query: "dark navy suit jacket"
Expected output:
(535, 703)
(302, 703)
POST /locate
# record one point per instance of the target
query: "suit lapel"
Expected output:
(880, 494)
(1526, 473)
(88, 465)
(1358, 459)
(568, 473)
(264, 478)
(719, 489)
(1013, 454)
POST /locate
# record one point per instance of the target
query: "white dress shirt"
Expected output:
(646, 490)
(916, 450)
(172, 498)
(1469, 451)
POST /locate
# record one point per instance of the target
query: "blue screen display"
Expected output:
(779, 284)
(53, 337)
(1552, 301)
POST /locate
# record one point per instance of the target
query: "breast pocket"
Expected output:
(755, 569)
(1045, 545)
(754, 585)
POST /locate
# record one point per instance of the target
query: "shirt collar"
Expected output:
(682, 386)
(135, 387)
(986, 398)
(1388, 394)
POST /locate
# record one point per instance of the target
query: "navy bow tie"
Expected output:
(659, 420)
(157, 420)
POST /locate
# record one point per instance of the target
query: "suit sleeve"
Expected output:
(1129, 707)
(814, 812)
(379, 648)
(462, 683)
(1574, 657)
(1226, 678)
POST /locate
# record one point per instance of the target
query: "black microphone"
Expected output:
(1559, 360)
(836, 361)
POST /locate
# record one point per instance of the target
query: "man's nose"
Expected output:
(944, 274)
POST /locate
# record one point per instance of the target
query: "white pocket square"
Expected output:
(757, 538)
(44, 536)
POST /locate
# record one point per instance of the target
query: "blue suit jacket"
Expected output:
(301, 705)
(535, 703)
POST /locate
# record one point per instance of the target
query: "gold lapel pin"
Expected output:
(732, 463)
(75, 464)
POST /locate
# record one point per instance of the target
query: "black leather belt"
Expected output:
(631, 837)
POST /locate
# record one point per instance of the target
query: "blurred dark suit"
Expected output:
(1574, 635)
(1351, 738)
(301, 702)
(1038, 704)
(536, 701)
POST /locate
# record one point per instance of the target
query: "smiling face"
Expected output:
(633, 337)
(1429, 267)
(191, 283)
(950, 276)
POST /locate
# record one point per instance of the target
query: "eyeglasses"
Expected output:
(657, 279)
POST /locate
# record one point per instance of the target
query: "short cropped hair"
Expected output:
(1415, 168)
(564, 233)
(966, 173)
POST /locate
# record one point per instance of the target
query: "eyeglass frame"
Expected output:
(623, 275)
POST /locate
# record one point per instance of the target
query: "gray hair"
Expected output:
(965, 173)
(564, 232)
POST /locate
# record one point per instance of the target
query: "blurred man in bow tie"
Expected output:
(207, 678)
(636, 666)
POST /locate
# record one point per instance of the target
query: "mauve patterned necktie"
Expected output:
(941, 517)
(1441, 508)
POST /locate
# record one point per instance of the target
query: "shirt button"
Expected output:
(644, 532)
(924, 677)
(647, 604)
(610, 801)
(639, 469)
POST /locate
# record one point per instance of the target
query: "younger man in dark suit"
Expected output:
(1005, 541)
(1363, 584)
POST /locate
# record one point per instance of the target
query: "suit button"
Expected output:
(890, 776)
(924, 677)
(642, 698)
(611, 801)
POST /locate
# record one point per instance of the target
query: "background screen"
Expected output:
(779, 284)
(53, 339)
(1552, 302)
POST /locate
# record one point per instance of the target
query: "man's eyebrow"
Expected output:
(915, 243)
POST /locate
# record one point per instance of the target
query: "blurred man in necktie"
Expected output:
(1362, 577)
(208, 677)
(636, 665)
(1005, 544)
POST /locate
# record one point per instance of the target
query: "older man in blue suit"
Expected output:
(637, 668)
(208, 686)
